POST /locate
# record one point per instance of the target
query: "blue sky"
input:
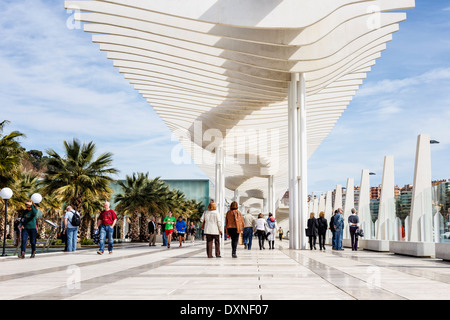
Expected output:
(55, 84)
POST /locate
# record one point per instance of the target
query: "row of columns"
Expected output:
(419, 224)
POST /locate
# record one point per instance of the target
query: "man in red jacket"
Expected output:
(106, 222)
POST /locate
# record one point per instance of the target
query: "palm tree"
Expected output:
(10, 152)
(133, 200)
(77, 177)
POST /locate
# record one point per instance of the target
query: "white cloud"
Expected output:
(394, 86)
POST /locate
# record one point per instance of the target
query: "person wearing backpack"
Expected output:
(72, 221)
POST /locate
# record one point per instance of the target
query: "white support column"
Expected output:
(298, 155)
(303, 158)
(220, 189)
(421, 217)
(386, 212)
(328, 206)
(272, 201)
(338, 198)
(321, 203)
(349, 204)
(293, 165)
(364, 205)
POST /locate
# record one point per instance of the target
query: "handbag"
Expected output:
(359, 232)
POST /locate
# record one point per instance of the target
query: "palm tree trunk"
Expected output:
(134, 226)
(85, 227)
(144, 227)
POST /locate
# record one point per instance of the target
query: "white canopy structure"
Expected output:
(222, 74)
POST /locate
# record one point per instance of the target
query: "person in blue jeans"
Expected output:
(106, 222)
(249, 224)
(70, 230)
(28, 227)
(339, 228)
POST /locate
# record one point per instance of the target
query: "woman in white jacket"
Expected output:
(212, 229)
(261, 226)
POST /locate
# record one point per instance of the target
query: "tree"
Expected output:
(132, 200)
(77, 177)
(10, 152)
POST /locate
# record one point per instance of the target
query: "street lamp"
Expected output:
(434, 142)
(372, 174)
(5, 194)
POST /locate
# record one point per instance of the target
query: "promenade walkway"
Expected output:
(137, 271)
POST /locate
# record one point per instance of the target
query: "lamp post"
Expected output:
(436, 221)
(5, 194)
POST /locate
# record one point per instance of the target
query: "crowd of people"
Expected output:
(236, 226)
(317, 227)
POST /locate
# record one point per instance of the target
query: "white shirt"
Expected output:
(261, 224)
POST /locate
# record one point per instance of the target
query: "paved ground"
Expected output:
(137, 272)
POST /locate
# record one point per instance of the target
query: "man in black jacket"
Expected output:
(333, 231)
(152, 232)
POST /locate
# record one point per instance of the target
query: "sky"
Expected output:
(55, 85)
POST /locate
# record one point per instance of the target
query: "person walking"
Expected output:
(322, 229)
(192, 231)
(70, 230)
(353, 222)
(169, 221)
(333, 231)
(249, 224)
(280, 233)
(28, 228)
(212, 228)
(163, 233)
(272, 227)
(152, 232)
(312, 231)
(339, 227)
(234, 224)
(261, 227)
(181, 226)
(106, 222)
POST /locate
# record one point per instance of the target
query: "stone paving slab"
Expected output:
(139, 272)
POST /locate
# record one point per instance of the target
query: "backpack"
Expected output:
(76, 219)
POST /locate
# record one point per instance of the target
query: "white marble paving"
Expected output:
(156, 273)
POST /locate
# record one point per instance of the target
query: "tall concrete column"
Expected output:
(421, 217)
(271, 197)
(349, 204)
(220, 188)
(364, 205)
(338, 198)
(328, 206)
(321, 203)
(386, 212)
(297, 161)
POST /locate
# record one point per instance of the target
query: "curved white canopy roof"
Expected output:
(221, 68)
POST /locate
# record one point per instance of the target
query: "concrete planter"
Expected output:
(416, 249)
(443, 251)
(374, 245)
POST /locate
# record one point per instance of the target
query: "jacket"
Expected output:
(213, 225)
(151, 227)
(312, 228)
(338, 222)
(322, 225)
(234, 220)
(29, 218)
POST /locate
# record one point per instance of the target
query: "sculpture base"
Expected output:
(416, 249)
